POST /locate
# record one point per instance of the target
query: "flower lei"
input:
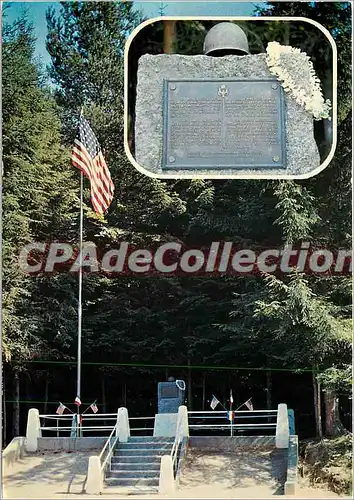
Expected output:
(313, 101)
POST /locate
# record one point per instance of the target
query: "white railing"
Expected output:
(98, 464)
(177, 442)
(205, 416)
(110, 446)
(87, 424)
(131, 419)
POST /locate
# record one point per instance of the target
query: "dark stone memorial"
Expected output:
(169, 396)
(223, 124)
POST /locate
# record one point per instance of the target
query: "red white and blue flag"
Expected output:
(249, 404)
(87, 157)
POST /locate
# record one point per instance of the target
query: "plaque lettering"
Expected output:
(233, 124)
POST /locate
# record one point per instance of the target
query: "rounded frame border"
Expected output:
(307, 175)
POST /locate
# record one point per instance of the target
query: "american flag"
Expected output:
(87, 157)
(60, 409)
(94, 408)
(249, 404)
(214, 403)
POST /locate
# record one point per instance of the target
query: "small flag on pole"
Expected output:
(60, 409)
(87, 157)
(77, 401)
(249, 404)
(231, 415)
(214, 403)
(94, 408)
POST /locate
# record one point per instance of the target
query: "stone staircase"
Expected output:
(137, 463)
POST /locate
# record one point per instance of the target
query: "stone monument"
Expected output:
(224, 112)
(170, 395)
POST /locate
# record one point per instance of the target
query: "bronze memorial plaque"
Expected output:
(169, 391)
(224, 124)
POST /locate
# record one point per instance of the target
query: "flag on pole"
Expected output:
(249, 404)
(231, 397)
(60, 409)
(87, 157)
(77, 401)
(231, 415)
(214, 403)
(94, 408)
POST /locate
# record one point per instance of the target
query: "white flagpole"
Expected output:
(79, 310)
(2, 408)
(231, 419)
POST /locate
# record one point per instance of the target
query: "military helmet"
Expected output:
(225, 37)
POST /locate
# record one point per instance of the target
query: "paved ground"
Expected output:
(63, 475)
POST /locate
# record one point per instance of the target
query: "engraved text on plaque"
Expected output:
(223, 124)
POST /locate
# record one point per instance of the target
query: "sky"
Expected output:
(36, 13)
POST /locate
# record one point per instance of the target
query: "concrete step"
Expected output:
(135, 452)
(134, 474)
(113, 481)
(145, 445)
(142, 439)
(139, 466)
(129, 458)
(122, 491)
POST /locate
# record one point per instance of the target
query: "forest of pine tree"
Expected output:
(276, 339)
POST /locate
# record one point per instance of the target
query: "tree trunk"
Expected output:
(286, 40)
(103, 394)
(46, 392)
(169, 37)
(124, 395)
(269, 389)
(204, 391)
(189, 395)
(334, 426)
(16, 405)
(4, 423)
(328, 127)
(317, 404)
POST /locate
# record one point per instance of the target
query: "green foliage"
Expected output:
(298, 211)
(249, 321)
(338, 380)
(305, 325)
(336, 18)
(38, 202)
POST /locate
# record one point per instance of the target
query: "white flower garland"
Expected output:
(313, 101)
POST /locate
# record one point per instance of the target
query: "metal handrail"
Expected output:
(204, 417)
(142, 418)
(217, 426)
(235, 411)
(201, 417)
(111, 448)
(177, 441)
(93, 428)
(94, 415)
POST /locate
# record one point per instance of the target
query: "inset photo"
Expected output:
(230, 98)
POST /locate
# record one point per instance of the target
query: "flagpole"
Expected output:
(79, 310)
(231, 416)
(2, 407)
